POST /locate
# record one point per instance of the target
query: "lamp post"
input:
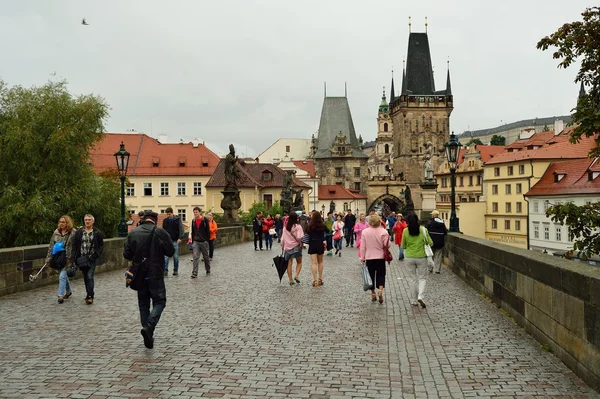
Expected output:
(122, 157)
(452, 149)
(323, 210)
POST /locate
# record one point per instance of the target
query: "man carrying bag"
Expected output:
(146, 246)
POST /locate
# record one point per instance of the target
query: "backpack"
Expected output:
(59, 256)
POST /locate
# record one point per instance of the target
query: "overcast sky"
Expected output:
(249, 72)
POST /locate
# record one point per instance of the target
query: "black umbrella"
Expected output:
(280, 265)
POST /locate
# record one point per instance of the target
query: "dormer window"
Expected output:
(155, 162)
(267, 176)
(592, 175)
(182, 162)
(205, 161)
(558, 176)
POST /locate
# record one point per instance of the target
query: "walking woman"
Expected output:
(413, 242)
(399, 227)
(374, 240)
(213, 228)
(358, 229)
(267, 225)
(338, 234)
(62, 234)
(291, 243)
(316, 246)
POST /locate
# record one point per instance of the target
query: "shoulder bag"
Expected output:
(387, 255)
(135, 274)
(428, 250)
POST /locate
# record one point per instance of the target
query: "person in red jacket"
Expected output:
(267, 225)
(399, 227)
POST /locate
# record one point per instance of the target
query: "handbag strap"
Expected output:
(146, 252)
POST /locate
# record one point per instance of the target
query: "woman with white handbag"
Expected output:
(415, 239)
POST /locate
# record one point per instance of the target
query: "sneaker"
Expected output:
(89, 300)
(340, 255)
(208, 272)
(194, 275)
(422, 303)
(148, 339)
(175, 273)
(68, 294)
(437, 272)
(61, 299)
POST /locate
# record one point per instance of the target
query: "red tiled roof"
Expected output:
(144, 151)
(575, 181)
(487, 152)
(539, 139)
(331, 192)
(251, 176)
(560, 150)
(307, 166)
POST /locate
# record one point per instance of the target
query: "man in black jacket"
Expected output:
(437, 231)
(257, 230)
(199, 238)
(88, 244)
(349, 222)
(173, 225)
(154, 284)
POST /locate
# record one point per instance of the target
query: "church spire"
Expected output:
(581, 90)
(393, 93)
(448, 87)
(403, 90)
(383, 106)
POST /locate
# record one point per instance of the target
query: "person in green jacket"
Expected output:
(414, 238)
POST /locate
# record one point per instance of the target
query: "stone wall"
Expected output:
(16, 264)
(557, 301)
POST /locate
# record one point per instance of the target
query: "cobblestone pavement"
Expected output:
(238, 333)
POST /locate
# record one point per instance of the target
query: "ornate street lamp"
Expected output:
(122, 157)
(323, 210)
(452, 150)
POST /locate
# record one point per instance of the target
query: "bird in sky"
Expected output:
(83, 22)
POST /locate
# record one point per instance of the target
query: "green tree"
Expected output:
(580, 42)
(498, 140)
(45, 135)
(474, 141)
(260, 207)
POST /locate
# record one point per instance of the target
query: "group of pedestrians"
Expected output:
(83, 246)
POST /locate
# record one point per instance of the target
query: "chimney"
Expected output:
(559, 125)
(163, 138)
(196, 142)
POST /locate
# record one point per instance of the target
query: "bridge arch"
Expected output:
(387, 203)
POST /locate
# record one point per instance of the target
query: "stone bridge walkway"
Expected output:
(238, 333)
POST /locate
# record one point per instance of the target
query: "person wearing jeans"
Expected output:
(63, 233)
(173, 225)
(152, 243)
(88, 244)
(199, 237)
(414, 238)
(338, 235)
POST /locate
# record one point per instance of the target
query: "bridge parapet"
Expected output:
(557, 301)
(16, 264)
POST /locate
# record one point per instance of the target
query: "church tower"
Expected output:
(420, 115)
(380, 163)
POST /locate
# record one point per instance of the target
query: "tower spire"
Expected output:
(392, 93)
(346, 89)
(383, 106)
(325, 88)
(403, 90)
(581, 90)
(409, 24)
(448, 86)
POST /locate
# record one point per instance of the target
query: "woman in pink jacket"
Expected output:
(358, 229)
(373, 242)
(291, 243)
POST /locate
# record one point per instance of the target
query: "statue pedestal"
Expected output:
(230, 204)
(428, 202)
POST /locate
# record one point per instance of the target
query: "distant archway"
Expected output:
(386, 203)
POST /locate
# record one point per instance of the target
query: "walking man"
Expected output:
(437, 231)
(349, 222)
(150, 244)
(199, 237)
(257, 229)
(173, 225)
(88, 243)
(391, 221)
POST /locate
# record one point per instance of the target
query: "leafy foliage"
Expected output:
(260, 207)
(45, 135)
(580, 41)
(474, 141)
(498, 140)
(582, 222)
